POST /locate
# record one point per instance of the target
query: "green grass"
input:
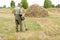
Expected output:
(6, 27)
(32, 25)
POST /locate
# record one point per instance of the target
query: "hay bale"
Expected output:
(36, 11)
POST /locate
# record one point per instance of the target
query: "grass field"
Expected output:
(44, 28)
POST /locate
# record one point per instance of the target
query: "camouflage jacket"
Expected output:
(17, 12)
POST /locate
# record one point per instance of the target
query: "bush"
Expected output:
(4, 6)
(53, 6)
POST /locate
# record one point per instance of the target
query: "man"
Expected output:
(18, 13)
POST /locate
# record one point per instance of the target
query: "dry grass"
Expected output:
(47, 28)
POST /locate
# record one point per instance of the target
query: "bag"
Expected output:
(22, 18)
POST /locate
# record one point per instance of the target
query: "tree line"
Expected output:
(47, 4)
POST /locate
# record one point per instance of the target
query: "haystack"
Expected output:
(36, 11)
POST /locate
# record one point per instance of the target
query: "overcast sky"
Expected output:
(40, 2)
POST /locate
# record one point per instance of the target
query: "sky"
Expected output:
(30, 2)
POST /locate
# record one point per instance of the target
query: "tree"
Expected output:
(4, 6)
(58, 6)
(12, 4)
(47, 4)
(24, 4)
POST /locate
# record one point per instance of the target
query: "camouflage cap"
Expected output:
(19, 5)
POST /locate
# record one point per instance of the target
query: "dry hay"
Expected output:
(54, 10)
(5, 10)
(36, 11)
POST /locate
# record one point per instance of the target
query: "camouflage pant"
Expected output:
(18, 22)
